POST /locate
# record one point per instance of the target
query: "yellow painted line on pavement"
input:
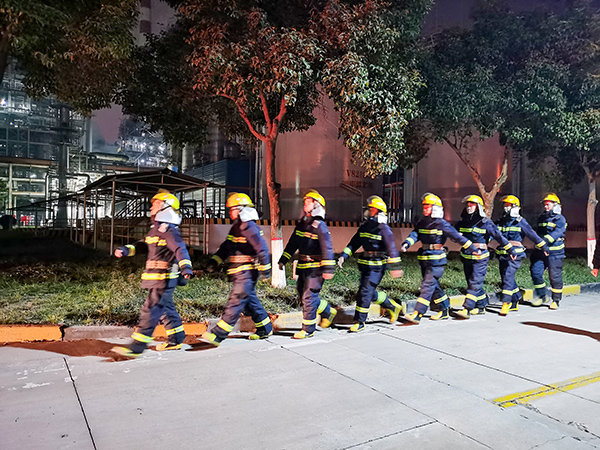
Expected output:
(524, 397)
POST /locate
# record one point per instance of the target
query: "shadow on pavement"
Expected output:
(564, 329)
(82, 347)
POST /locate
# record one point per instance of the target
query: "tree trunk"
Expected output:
(273, 188)
(488, 197)
(590, 214)
(274, 191)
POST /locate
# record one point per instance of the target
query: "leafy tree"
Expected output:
(76, 50)
(558, 116)
(260, 68)
(532, 78)
(469, 94)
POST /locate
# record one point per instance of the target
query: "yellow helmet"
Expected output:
(473, 199)
(312, 193)
(168, 198)
(376, 202)
(551, 197)
(238, 199)
(431, 199)
(512, 200)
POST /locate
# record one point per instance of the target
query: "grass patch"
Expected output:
(49, 280)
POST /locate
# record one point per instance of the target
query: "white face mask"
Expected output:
(437, 212)
(168, 215)
(248, 213)
(512, 210)
(318, 210)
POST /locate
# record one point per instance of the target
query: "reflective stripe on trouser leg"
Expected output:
(171, 318)
(369, 279)
(256, 312)
(443, 301)
(243, 285)
(430, 286)
(539, 263)
(475, 271)
(508, 270)
(555, 266)
(310, 281)
(150, 314)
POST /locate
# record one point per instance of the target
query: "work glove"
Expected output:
(340, 262)
(281, 266)
(404, 247)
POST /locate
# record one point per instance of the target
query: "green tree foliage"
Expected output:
(531, 77)
(75, 50)
(469, 95)
(260, 67)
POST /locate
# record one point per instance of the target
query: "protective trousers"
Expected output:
(158, 307)
(431, 289)
(308, 285)
(243, 298)
(367, 292)
(508, 269)
(475, 270)
(541, 262)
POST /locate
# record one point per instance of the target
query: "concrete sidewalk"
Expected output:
(24, 333)
(435, 385)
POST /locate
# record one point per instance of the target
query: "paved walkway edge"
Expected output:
(293, 320)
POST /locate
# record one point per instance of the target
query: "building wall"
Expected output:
(317, 159)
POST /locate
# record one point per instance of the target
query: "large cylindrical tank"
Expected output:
(317, 159)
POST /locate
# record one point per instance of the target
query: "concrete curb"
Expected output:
(293, 320)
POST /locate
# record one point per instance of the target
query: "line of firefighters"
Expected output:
(247, 254)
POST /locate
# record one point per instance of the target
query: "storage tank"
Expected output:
(317, 159)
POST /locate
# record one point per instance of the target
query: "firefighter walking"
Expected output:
(167, 255)
(552, 226)
(432, 230)
(248, 256)
(514, 228)
(379, 253)
(316, 263)
(476, 227)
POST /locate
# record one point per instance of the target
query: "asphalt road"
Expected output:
(528, 380)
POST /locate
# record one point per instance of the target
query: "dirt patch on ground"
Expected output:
(94, 347)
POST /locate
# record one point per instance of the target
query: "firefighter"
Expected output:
(379, 252)
(476, 227)
(248, 254)
(167, 254)
(432, 230)
(514, 228)
(552, 226)
(316, 263)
